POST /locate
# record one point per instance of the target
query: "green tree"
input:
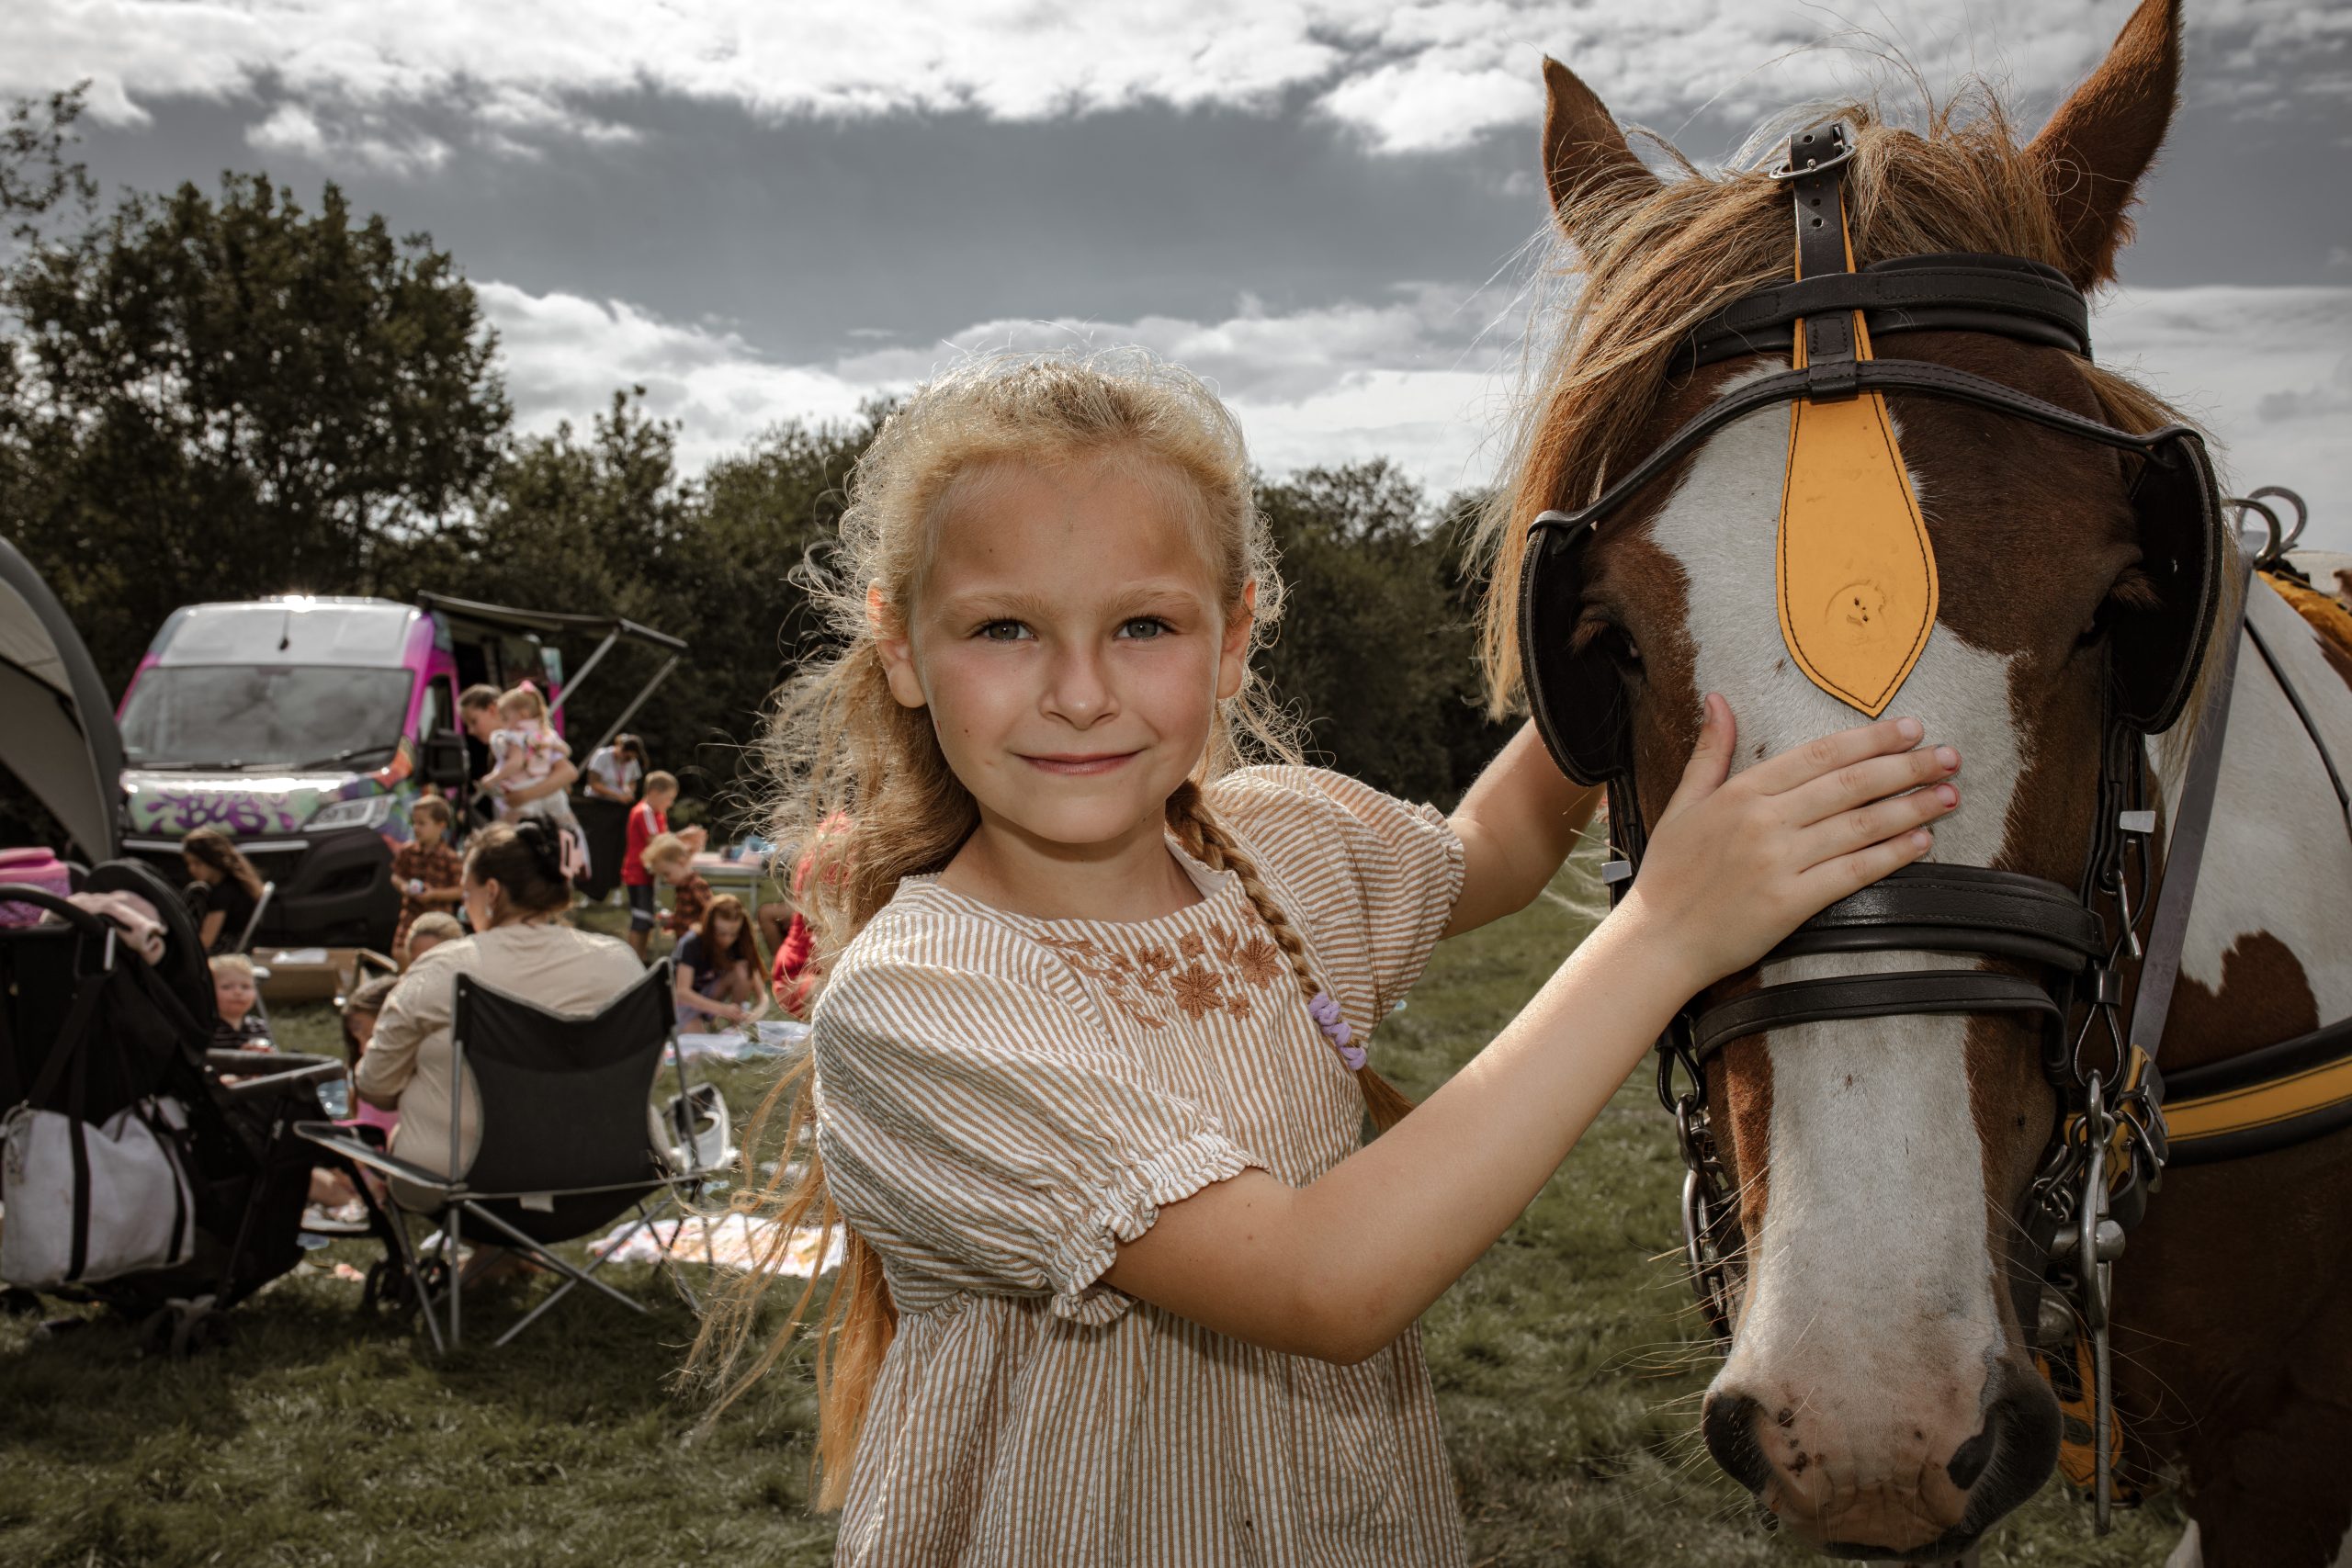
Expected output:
(1375, 649)
(215, 397)
(606, 523)
(37, 178)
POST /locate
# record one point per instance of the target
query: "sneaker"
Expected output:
(345, 1219)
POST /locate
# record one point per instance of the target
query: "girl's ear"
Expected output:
(1233, 652)
(897, 650)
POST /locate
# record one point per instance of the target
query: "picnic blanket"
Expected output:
(730, 1241)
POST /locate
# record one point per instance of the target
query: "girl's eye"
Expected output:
(1143, 629)
(1004, 631)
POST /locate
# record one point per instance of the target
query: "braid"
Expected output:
(1204, 841)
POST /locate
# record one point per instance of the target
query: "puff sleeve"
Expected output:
(1372, 879)
(984, 1132)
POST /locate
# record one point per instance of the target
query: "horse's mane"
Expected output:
(1650, 269)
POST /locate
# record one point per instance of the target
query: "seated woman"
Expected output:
(718, 967)
(223, 887)
(516, 895)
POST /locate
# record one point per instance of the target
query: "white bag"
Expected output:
(121, 1205)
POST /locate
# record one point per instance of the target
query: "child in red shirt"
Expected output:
(648, 820)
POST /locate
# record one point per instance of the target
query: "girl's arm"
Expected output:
(694, 1000)
(1339, 1267)
(208, 932)
(1517, 824)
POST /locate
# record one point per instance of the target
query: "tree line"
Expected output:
(229, 393)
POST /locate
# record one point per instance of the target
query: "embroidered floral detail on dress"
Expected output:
(1146, 983)
(1197, 991)
(1260, 962)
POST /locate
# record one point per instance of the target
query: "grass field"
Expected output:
(1565, 1364)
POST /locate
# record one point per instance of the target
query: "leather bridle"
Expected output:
(2075, 946)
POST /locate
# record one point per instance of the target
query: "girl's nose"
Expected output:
(1078, 691)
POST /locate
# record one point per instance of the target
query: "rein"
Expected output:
(2110, 1142)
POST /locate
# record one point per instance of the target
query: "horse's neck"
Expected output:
(2268, 952)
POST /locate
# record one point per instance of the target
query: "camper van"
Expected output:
(305, 728)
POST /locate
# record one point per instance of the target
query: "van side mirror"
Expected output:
(445, 760)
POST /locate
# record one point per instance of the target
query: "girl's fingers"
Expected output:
(1840, 876)
(1880, 820)
(1710, 761)
(1872, 778)
(1827, 753)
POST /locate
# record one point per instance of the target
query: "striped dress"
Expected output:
(1000, 1100)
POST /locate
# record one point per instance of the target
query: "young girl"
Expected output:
(718, 967)
(1089, 1070)
(525, 751)
(223, 889)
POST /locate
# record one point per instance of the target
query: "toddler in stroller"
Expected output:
(139, 1167)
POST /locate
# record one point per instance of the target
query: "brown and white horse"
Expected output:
(1880, 1389)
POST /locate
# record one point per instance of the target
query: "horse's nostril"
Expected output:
(1969, 1459)
(1729, 1427)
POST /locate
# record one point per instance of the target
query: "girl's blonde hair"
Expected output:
(861, 785)
(524, 699)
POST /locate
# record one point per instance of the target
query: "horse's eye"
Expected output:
(1623, 650)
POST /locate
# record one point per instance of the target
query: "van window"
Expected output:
(248, 715)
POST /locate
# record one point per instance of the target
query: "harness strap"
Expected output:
(2185, 850)
(1957, 908)
(1866, 996)
(1949, 293)
(1917, 376)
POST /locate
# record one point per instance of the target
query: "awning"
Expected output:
(57, 729)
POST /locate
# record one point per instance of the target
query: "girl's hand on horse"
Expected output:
(1735, 865)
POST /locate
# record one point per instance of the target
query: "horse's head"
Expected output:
(1879, 1395)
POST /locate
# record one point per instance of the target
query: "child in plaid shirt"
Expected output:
(671, 860)
(425, 870)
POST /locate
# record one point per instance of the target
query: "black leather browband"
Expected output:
(1958, 292)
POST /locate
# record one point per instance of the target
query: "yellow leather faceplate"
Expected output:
(1856, 574)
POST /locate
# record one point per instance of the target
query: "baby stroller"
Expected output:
(172, 1186)
(139, 1168)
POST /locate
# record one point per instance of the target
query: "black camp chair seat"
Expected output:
(566, 1144)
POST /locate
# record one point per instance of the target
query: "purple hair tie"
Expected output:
(1325, 1014)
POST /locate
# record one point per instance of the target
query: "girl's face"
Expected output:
(233, 996)
(198, 871)
(723, 931)
(1069, 644)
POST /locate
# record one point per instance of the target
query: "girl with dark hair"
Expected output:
(223, 889)
(719, 966)
(517, 894)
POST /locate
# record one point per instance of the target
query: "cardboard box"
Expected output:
(316, 973)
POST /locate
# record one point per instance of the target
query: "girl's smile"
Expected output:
(1069, 645)
(1098, 762)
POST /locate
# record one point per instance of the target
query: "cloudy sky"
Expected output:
(769, 210)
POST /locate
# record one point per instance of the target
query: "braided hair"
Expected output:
(1205, 840)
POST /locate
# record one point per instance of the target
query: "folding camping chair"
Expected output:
(568, 1141)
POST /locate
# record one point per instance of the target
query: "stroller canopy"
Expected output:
(57, 730)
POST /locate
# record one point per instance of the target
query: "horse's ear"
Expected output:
(1585, 156)
(2100, 141)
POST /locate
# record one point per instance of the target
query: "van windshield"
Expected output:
(260, 715)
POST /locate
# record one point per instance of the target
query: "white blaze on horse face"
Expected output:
(1870, 1314)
